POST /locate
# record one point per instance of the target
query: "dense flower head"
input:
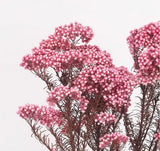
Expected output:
(114, 84)
(94, 56)
(63, 93)
(55, 43)
(28, 111)
(73, 31)
(60, 50)
(69, 59)
(73, 58)
(65, 37)
(144, 37)
(45, 115)
(117, 137)
(42, 59)
(103, 118)
(144, 44)
(149, 66)
(39, 59)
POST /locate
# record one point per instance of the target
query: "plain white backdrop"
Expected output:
(24, 23)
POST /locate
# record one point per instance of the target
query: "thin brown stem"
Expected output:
(41, 139)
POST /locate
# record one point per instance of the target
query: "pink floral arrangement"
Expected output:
(89, 97)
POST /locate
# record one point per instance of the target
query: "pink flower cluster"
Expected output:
(74, 30)
(45, 115)
(83, 104)
(144, 37)
(157, 137)
(114, 84)
(59, 50)
(104, 118)
(40, 59)
(64, 92)
(65, 36)
(107, 139)
(28, 111)
(144, 44)
(71, 58)
(94, 56)
(84, 55)
(55, 44)
(149, 64)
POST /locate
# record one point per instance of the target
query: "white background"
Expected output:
(24, 23)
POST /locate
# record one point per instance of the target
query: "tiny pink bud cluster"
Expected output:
(28, 111)
(107, 139)
(64, 92)
(149, 66)
(157, 137)
(45, 115)
(104, 118)
(83, 104)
